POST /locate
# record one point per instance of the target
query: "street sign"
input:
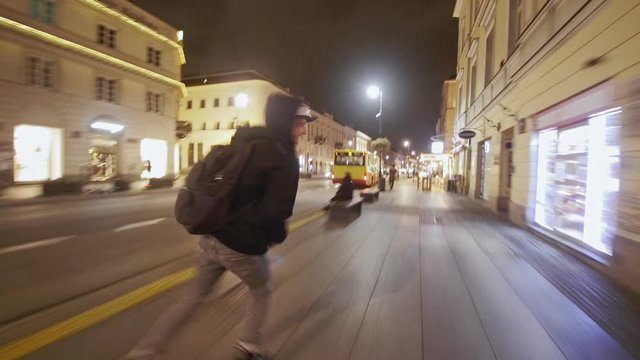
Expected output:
(466, 134)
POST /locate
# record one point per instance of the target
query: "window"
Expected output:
(463, 31)
(473, 74)
(349, 159)
(106, 89)
(216, 125)
(202, 103)
(154, 102)
(41, 72)
(230, 102)
(43, 10)
(232, 125)
(153, 56)
(106, 36)
(204, 125)
(200, 151)
(489, 58)
(189, 104)
(460, 99)
(216, 102)
(190, 154)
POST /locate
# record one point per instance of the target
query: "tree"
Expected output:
(183, 128)
(381, 145)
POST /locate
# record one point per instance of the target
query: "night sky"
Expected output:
(329, 51)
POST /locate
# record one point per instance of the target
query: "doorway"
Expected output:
(506, 170)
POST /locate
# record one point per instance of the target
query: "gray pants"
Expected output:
(215, 259)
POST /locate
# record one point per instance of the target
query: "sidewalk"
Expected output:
(425, 276)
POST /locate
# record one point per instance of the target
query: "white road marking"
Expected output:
(35, 244)
(138, 224)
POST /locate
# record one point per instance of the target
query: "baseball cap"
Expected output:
(305, 111)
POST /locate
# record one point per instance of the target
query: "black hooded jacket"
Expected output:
(267, 191)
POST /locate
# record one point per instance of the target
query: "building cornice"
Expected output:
(106, 10)
(83, 50)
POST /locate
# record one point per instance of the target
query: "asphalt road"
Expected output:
(53, 252)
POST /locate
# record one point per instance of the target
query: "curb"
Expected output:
(80, 197)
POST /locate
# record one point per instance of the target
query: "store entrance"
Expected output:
(103, 159)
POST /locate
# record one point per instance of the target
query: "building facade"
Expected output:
(89, 91)
(550, 89)
(362, 141)
(324, 136)
(446, 122)
(216, 105)
(219, 104)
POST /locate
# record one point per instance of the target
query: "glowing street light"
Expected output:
(374, 92)
(406, 143)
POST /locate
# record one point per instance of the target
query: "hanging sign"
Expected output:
(466, 134)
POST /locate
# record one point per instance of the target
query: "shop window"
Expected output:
(577, 172)
(38, 153)
(106, 36)
(154, 154)
(43, 10)
(41, 72)
(483, 153)
(153, 56)
(106, 89)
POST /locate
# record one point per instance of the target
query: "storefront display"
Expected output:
(38, 153)
(154, 154)
(577, 170)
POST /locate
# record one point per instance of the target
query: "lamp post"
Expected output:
(374, 92)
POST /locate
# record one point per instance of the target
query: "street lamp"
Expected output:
(406, 143)
(374, 92)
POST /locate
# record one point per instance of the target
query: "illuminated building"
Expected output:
(547, 88)
(220, 103)
(90, 91)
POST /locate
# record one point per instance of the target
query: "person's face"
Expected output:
(298, 129)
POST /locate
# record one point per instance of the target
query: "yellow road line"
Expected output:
(61, 330)
(305, 220)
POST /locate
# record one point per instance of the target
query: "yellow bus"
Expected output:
(362, 165)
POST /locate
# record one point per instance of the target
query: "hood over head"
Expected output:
(280, 113)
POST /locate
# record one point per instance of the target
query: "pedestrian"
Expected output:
(344, 194)
(263, 202)
(393, 174)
